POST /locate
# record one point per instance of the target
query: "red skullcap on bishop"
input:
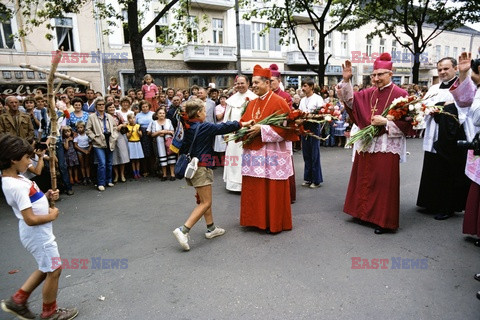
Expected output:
(274, 70)
(258, 71)
(383, 62)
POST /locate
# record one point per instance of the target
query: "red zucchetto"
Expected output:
(383, 62)
(258, 71)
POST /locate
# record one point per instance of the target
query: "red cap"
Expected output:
(258, 71)
(383, 62)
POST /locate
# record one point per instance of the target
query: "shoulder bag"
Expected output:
(184, 160)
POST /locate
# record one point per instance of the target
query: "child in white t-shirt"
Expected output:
(31, 207)
(83, 145)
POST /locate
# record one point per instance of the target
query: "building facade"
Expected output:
(73, 33)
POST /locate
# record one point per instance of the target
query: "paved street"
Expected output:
(305, 273)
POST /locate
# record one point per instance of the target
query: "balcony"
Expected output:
(220, 5)
(209, 53)
(304, 17)
(296, 58)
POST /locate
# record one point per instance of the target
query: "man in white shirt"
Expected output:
(312, 175)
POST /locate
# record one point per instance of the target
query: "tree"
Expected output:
(39, 12)
(317, 12)
(420, 21)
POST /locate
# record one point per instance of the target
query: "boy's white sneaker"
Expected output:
(215, 233)
(181, 238)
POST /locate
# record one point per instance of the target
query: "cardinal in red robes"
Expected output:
(373, 193)
(266, 162)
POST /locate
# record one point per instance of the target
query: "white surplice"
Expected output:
(232, 174)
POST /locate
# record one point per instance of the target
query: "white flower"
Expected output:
(419, 119)
(328, 118)
(428, 111)
(411, 107)
(399, 99)
(418, 106)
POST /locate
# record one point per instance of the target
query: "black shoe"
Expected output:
(70, 192)
(442, 216)
(478, 295)
(477, 243)
(424, 210)
(267, 231)
(379, 231)
(172, 179)
(477, 276)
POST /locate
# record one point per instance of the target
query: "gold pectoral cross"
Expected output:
(257, 114)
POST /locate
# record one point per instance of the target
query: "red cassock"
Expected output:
(291, 180)
(265, 203)
(373, 193)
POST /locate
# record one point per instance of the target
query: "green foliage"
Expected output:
(324, 16)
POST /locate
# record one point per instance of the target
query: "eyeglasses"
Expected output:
(373, 75)
(100, 104)
(63, 97)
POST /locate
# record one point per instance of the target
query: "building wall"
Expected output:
(36, 50)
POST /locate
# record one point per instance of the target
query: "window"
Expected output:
(217, 26)
(463, 50)
(447, 51)
(259, 41)
(192, 29)
(126, 34)
(381, 49)
(395, 56)
(455, 52)
(292, 41)
(438, 52)
(344, 45)
(312, 41)
(328, 44)
(64, 32)
(368, 49)
(394, 46)
(161, 29)
(6, 38)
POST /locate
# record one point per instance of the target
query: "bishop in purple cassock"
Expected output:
(373, 193)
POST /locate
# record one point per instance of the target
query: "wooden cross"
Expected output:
(51, 92)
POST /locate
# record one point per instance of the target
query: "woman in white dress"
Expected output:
(161, 130)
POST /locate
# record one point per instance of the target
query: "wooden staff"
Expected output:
(53, 121)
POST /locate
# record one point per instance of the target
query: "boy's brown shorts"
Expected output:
(203, 177)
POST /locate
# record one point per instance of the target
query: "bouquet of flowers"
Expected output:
(289, 121)
(329, 111)
(410, 109)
